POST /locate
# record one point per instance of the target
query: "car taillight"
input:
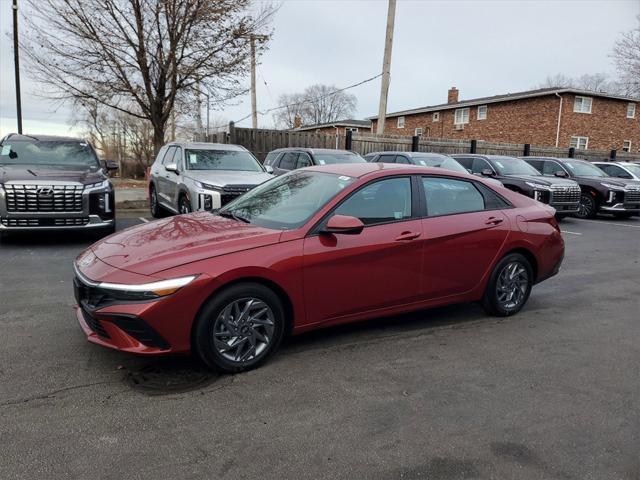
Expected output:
(554, 223)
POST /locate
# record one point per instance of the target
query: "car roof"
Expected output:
(622, 164)
(208, 146)
(410, 154)
(311, 150)
(362, 169)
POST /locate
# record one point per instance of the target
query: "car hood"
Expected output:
(542, 180)
(620, 182)
(156, 246)
(220, 178)
(33, 173)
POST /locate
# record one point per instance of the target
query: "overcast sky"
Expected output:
(482, 47)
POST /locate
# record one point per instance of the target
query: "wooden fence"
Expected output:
(261, 141)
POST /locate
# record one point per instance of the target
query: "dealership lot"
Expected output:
(451, 393)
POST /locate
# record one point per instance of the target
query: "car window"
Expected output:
(402, 159)
(304, 160)
(270, 158)
(492, 201)
(614, 171)
(537, 164)
(480, 164)
(466, 162)
(383, 201)
(386, 158)
(446, 196)
(550, 168)
(288, 161)
(177, 157)
(168, 155)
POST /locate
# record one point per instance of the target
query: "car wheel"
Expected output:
(184, 205)
(588, 206)
(239, 328)
(623, 215)
(509, 286)
(154, 205)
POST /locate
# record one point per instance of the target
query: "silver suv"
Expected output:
(201, 176)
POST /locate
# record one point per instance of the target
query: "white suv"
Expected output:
(201, 176)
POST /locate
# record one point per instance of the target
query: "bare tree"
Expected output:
(626, 55)
(596, 82)
(142, 57)
(317, 104)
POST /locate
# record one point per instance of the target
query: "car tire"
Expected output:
(184, 205)
(154, 204)
(623, 216)
(229, 341)
(588, 206)
(509, 286)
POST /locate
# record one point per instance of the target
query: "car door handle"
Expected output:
(493, 221)
(407, 236)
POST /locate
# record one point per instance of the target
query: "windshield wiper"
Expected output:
(233, 216)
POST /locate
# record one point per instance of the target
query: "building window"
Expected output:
(400, 122)
(579, 143)
(351, 129)
(461, 116)
(482, 112)
(435, 117)
(418, 132)
(582, 104)
(631, 110)
(626, 146)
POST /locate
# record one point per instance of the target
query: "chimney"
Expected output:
(452, 95)
(297, 121)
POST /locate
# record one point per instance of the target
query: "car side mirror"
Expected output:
(560, 173)
(268, 168)
(487, 172)
(344, 224)
(110, 164)
(171, 167)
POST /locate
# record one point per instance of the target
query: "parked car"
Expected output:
(284, 160)
(425, 159)
(515, 174)
(625, 170)
(600, 193)
(316, 247)
(54, 183)
(201, 176)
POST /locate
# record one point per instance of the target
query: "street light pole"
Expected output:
(16, 63)
(254, 103)
(386, 67)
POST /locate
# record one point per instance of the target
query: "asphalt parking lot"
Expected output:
(551, 393)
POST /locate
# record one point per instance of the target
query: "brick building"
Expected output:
(338, 127)
(561, 117)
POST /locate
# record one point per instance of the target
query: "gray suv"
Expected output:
(201, 176)
(284, 160)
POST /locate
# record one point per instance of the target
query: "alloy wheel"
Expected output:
(185, 206)
(512, 285)
(243, 330)
(586, 207)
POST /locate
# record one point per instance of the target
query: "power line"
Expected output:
(322, 97)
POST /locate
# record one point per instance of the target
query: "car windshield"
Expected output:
(329, 158)
(239, 160)
(288, 201)
(513, 166)
(62, 154)
(440, 161)
(635, 169)
(581, 168)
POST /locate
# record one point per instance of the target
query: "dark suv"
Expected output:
(600, 192)
(284, 160)
(53, 183)
(517, 175)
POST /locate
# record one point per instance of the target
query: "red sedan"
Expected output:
(316, 247)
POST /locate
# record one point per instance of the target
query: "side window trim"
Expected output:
(315, 230)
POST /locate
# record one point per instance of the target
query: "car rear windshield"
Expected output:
(288, 201)
(64, 154)
(439, 161)
(635, 169)
(581, 168)
(513, 166)
(338, 157)
(222, 160)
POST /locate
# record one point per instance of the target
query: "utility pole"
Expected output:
(254, 103)
(16, 63)
(386, 67)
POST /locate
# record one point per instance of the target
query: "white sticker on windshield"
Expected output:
(321, 162)
(344, 178)
(499, 164)
(397, 215)
(6, 149)
(193, 158)
(84, 144)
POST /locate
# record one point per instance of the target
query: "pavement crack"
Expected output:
(52, 394)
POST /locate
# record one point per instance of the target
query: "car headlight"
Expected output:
(206, 186)
(97, 186)
(538, 186)
(157, 289)
(612, 187)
